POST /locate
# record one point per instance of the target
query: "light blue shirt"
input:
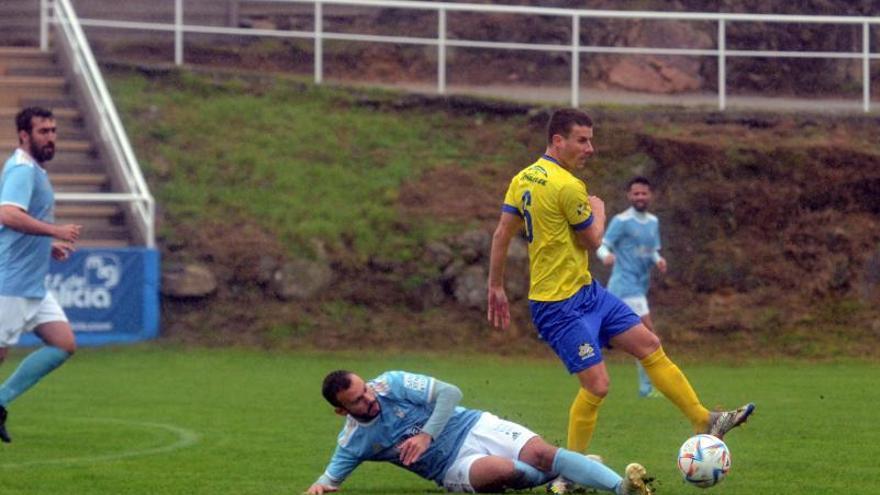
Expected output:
(634, 238)
(406, 401)
(24, 258)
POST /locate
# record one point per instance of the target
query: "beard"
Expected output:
(43, 154)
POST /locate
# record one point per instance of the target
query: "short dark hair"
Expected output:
(564, 119)
(24, 118)
(335, 382)
(638, 180)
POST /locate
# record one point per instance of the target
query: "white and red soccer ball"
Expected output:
(703, 460)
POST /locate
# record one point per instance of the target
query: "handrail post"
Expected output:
(722, 69)
(441, 51)
(575, 60)
(319, 43)
(44, 25)
(866, 67)
(178, 32)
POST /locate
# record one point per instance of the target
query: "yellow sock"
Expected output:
(667, 378)
(582, 420)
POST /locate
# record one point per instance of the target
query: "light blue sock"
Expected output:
(645, 385)
(34, 367)
(585, 471)
(527, 476)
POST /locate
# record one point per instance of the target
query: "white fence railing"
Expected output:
(442, 41)
(102, 112)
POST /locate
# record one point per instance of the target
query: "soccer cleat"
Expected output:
(722, 422)
(635, 481)
(4, 435)
(652, 394)
(560, 485)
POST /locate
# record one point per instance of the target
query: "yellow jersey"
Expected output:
(553, 205)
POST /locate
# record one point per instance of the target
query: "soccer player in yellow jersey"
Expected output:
(572, 312)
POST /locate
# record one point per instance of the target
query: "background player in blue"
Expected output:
(631, 246)
(28, 237)
(414, 421)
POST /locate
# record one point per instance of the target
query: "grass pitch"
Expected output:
(156, 420)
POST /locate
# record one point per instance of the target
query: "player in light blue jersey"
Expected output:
(631, 246)
(414, 421)
(28, 237)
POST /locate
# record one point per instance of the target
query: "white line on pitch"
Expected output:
(185, 438)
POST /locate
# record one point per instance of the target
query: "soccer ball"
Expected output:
(703, 460)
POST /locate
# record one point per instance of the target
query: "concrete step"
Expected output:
(66, 131)
(69, 121)
(54, 104)
(16, 89)
(24, 53)
(75, 164)
(91, 224)
(79, 182)
(61, 145)
(103, 243)
(61, 114)
(19, 70)
(103, 224)
(25, 57)
(86, 211)
(119, 233)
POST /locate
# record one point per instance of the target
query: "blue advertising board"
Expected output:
(109, 295)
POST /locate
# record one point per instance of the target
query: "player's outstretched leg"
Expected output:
(578, 469)
(668, 379)
(722, 422)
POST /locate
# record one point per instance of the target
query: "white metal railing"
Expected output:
(111, 132)
(442, 41)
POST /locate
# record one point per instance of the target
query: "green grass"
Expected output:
(304, 162)
(155, 420)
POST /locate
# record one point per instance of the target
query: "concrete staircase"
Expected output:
(31, 77)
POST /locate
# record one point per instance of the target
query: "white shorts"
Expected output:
(490, 436)
(21, 314)
(639, 304)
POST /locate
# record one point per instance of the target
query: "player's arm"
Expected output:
(444, 396)
(15, 196)
(322, 485)
(585, 214)
(16, 218)
(341, 465)
(590, 238)
(659, 261)
(605, 253)
(508, 225)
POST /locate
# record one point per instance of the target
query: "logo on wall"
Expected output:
(91, 288)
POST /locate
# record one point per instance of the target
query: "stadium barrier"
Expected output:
(442, 41)
(109, 295)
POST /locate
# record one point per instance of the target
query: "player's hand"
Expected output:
(318, 489)
(499, 309)
(413, 447)
(61, 250)
(609, 260)
(68, 232)
(597, 206)
(661, 265)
